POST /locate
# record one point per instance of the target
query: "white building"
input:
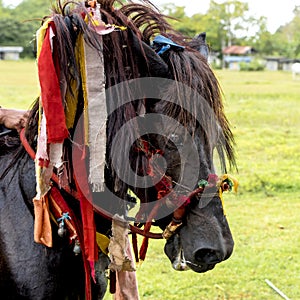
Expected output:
(10, 52)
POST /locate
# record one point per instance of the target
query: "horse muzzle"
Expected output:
(203, 259)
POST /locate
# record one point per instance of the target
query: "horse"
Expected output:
(165, 120)
(295, 70)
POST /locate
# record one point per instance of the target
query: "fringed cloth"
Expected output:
(55, 102)
(122, 261)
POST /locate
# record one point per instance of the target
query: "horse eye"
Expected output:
(201, 201)
(176, 139)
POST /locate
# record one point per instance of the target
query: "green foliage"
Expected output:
(224, 23)
(16, 33)
(19, 24)
(287, 38)
(178, 19)
(254, 65)
(33, 9)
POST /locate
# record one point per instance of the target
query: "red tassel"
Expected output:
(87, 215)
(144, 248)
(135, 246)
(147, 227)
(85, 197)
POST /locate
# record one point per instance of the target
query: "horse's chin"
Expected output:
(200, 268)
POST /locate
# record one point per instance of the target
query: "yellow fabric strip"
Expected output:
(80, 58)
(102, 242)
(40, 34)
(222, 200)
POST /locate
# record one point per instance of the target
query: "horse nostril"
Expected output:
(207, 256)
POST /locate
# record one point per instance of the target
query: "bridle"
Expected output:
(223, 183)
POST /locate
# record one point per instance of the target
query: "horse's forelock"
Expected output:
(190, 68)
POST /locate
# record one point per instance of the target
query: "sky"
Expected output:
(278, 12)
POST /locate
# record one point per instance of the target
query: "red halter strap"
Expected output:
(26, 145)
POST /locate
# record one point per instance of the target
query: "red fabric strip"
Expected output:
(135, 246)
(50, 94)
(85, 197)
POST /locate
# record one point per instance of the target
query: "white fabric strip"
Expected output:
(97, 114)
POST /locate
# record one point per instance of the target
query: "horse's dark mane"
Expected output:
(143, 22)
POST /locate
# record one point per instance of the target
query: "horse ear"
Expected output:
(202, 37)
(158, 67)
(199, 43)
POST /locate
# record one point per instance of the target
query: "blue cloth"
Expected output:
(163, 44)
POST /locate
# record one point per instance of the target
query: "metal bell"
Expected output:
(77, 248)
(62, 231)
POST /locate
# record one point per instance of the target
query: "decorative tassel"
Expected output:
(61, 226)
(42, 224)
(118, 246)
(135, 246)
(50, 92)
(77, 248)
(144, 248)
(227, 183)
(62, 231)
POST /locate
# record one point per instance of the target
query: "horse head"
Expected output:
(190, 137)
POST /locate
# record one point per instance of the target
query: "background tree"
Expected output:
(19, 24)
(179, 19)
(287, 37)
(225, 24)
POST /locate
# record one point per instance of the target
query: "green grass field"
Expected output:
(264, 110)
